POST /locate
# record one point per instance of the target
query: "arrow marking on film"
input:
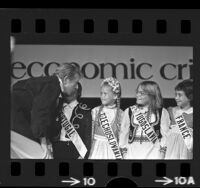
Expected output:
(166, 181)
(72, 182)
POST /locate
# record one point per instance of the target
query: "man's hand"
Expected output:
(43, 143)
(47, 148)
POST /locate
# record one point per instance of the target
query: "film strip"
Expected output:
(101, 28)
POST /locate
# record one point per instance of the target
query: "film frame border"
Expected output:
(182, 30)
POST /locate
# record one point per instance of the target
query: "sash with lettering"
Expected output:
(184, 130)
(73, 135)
(110, 135)
(146, 127)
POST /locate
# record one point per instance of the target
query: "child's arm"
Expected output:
(124, 132)
(171, 116)
(164, 128)
(93, 116)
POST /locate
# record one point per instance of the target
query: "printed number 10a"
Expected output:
(184, 180)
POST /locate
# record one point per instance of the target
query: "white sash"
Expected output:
(184, 130)
(73, 135)
(146, 127)
(110, 135)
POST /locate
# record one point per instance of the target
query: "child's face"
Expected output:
(107, 96)
(142, 98)
(181, 99)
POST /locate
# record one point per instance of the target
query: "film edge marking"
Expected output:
(72, 181)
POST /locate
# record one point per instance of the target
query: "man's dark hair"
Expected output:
(68, 70)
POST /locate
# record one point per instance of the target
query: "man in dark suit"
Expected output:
(79, 115)
(34, 102)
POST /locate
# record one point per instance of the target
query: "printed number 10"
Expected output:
(89, 181)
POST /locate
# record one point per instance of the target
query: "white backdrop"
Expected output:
(166, 65)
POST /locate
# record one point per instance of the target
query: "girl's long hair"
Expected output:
(153, 91)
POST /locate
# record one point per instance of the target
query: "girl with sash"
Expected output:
(180, 139)
(145, 125)
(106, 122)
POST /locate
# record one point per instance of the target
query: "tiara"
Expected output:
(113, 83)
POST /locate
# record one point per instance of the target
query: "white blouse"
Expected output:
(110, 113)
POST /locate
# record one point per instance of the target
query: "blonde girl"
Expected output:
(106, 122)
(145, 125)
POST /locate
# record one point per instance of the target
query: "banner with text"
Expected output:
(167, 65)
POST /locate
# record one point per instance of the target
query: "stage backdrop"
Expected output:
(166, 65)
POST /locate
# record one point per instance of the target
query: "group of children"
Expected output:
(62, 127)
(145, 130)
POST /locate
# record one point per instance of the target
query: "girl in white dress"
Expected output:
(103, 146)
(144, 136)
(181, 146)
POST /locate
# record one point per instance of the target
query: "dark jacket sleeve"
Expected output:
(42, 109)
(88, 133)
(55, 129)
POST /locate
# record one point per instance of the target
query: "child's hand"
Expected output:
(162, 152)
(162, 155)
(124, 155)
(123, 152)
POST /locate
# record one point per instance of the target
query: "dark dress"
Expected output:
(33, 106)
(82, 120)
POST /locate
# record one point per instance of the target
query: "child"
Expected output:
(145, 125)
(180, 139)
(76, 145)
(106, 122)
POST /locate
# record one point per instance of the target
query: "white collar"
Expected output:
(110, 106)
(188, 111)
(61, 83)
(72, 104)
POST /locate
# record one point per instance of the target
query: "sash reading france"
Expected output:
(147, 128)
(110, 135)
(184, 130)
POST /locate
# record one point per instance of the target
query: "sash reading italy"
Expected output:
(147, 128)
(73, 135)
(184, 130)
(110, 135)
